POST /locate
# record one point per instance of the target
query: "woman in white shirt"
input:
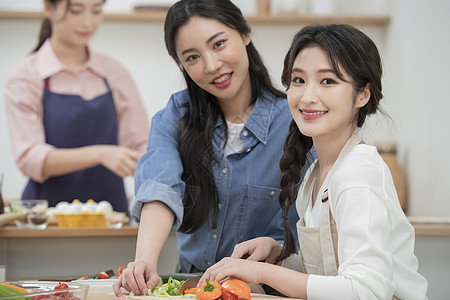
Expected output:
(355, 241)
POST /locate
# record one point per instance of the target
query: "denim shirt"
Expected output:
(247, 181)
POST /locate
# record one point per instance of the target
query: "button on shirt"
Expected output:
(23, 98)
(247, 182)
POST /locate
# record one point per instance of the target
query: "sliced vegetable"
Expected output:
(167, 289)
(9, 288)
(209, 290)
(226, 295)
(191, 291)
(237, 287)
(102, 275)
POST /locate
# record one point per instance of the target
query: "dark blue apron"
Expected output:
(71, 122)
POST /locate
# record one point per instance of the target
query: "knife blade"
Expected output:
(190, 283)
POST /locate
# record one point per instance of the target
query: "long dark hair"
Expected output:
(46, 25)
(350, 49)
(197, 125)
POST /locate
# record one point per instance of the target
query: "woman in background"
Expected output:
(76, 120)
(355, 241)
(210, 172)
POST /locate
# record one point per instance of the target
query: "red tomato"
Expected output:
(120, 270)
(102, 275)
(61, 286)
(226, 295)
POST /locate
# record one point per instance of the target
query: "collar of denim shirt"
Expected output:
(259, 120)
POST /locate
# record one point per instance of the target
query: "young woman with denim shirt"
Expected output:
(211, 171)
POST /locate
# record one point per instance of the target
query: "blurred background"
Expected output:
(414, 45)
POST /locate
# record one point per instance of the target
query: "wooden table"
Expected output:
(253, 297)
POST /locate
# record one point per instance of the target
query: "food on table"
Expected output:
(76, 207)
(230, 289)
(228, 296)
(90, 207)
(60, 291)
(61, 207)
(120, 270)
(83, 278)
(209, 290)
(104, 207)
(9, 290)
(237, 287)
(170, 288)
(102, 275)
(88, 215)
(191, 291)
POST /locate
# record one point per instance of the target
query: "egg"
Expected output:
(61, 207)
(90, 207)
(75, 207)
(105, 207)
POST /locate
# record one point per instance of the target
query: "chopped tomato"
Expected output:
(120, 270)
(102, 275)
(226, 295)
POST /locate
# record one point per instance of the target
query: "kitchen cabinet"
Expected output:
(57, 253)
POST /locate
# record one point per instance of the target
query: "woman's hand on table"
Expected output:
(138, 277)
(119, 160)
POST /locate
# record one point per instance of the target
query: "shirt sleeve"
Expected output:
(364, 229)
(23, 93)
(158, 172)
(132, 116)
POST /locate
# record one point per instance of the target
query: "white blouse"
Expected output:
(234, 142)
(375, 239)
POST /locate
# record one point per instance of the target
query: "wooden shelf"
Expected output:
(159, 16)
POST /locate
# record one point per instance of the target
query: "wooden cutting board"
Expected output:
(254, 297)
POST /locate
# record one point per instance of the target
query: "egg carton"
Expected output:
(83, 220)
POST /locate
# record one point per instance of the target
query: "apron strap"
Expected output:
(107, 84)
(330, 266)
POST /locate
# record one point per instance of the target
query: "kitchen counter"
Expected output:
(60, 253)
(57, 253)
(55, 232)
(423, 226)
